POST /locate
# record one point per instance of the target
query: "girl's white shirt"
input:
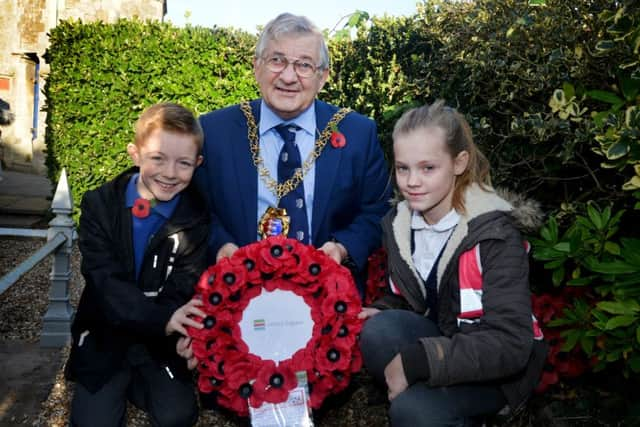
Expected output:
(429, 239)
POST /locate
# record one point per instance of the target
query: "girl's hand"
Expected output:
(368, 312)
(182, 317)
(395, 378)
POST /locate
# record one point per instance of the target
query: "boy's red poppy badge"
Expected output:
(141, 207)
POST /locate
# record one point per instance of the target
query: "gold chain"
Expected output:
(280, 190)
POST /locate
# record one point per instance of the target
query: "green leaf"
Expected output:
(562, 247)
(619, 307)
(557, 276)
(569, 90)
(594, 216)
(612, 267)
(612, 247)
(572, 338)
(604, 96)
(620, 322)
(604, 46)
(630, 87)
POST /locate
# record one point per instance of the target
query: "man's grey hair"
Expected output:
(287, 24)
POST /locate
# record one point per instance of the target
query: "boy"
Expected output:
(143, 239)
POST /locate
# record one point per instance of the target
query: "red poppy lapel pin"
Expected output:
(142, 207)
(338, 139)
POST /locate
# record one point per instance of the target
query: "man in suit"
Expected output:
(344, 190)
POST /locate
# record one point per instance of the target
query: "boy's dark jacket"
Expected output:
(122, 322)
(500, 348)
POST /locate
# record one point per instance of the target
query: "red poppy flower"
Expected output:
(338, 139)
(276, 255)
(322, 386)
(376, 276)
(228, 368)
(548, 378)
(333, 355)
(141, 208)
(340, 304)
(545, 307)
(274, 383)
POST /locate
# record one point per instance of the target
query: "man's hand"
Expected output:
(335, 250)
(395, 378)
(368, 312)
(183, 317)
(226, 251)
(184, 349)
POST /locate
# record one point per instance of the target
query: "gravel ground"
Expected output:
(23, 305)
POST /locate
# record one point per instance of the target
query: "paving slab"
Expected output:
(24, 199)
(27, 373)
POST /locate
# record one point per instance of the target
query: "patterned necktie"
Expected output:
(294, 201)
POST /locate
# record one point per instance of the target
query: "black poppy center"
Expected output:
(326, 329)
(276, 380)
(245, 390)
(209, 322)
(210, 279)
(229, 278)
(214, 381)
(314, 269)
(343, 332)
(333, 355)
(215, 298)
(340, 306)
(249, 264)
(276, 251)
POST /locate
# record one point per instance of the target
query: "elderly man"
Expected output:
(289, 163)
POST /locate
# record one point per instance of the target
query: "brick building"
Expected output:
(24, 25)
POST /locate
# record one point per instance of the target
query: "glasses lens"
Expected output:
(277, 64)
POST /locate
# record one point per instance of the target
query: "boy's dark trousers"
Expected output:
(168, 400)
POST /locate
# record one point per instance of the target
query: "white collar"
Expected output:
(446, 223)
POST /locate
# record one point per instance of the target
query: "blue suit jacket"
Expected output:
(351, 193)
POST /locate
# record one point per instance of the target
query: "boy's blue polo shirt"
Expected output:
(144, 228)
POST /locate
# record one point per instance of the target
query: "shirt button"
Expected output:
(300, 235)
(299, 203)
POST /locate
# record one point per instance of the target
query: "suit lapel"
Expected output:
(246, 174)
(326, 169)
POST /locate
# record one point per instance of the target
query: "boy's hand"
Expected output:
(395, 377)
(182, 317)
(184, 349)
(226, 251)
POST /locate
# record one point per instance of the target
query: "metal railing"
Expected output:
(56, 323)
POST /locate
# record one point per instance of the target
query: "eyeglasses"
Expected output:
(278, 63)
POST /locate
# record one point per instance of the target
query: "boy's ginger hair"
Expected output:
(169, 117)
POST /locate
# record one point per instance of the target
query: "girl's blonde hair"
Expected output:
(458, 138)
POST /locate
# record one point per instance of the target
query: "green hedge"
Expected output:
(103, 76)
(499, 61)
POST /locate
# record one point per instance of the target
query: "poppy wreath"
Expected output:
(238, 377)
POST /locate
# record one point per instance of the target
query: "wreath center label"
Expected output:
(276, 324)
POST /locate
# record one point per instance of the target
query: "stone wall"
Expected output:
(24, 25)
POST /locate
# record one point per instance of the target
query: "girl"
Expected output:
(453, 338)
